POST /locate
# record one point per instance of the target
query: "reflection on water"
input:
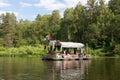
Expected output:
(74, 70)
(71, 70)
(19, 68)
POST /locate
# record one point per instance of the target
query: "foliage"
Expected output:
(2, 48)
(23, 51)
(95, 23)
(117, 49)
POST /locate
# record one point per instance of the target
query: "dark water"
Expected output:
(36, 69)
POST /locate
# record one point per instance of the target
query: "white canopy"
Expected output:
(71, 45)
(68, 44)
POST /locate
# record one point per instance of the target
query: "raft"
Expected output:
(52, 55)
(63, 59)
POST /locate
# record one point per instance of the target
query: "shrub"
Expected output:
(2, 48)
(96, 52)
(117, 49)
(23, 51)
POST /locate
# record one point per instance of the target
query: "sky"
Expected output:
(28, 9)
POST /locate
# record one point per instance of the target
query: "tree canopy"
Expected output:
(96, 23)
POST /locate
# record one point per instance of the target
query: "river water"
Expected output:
(33, 68)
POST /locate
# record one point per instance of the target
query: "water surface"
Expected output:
(19, 68)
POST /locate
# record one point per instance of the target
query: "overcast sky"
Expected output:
(28, 9)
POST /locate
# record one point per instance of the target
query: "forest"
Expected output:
(97, 24)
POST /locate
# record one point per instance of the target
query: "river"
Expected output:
(33, 68)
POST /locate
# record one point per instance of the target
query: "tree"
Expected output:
(8, 26)
(80, 23)
(22, 33)
(104, 19)
(54, 24)
(67, 24)
(92, 11)
(92, 31)
(114, 5)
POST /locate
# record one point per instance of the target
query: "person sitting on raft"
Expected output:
(66, 55)
(75, 55)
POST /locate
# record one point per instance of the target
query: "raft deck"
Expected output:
(63, 59)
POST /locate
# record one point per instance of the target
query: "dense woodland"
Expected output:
(97, 24)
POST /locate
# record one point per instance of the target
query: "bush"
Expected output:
(2, 48)
(117, 49)
(96, 52)
(23, 51)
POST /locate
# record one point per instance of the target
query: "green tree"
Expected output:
(92, 31)
(21, 33)
(104, 19)
(9, 24)
(42, 27)
(67, 24)
(54, 24)
(80, 23)
(114, 5)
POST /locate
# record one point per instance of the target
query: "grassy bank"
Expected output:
(39, 51)
(23, 51)
(101, 53)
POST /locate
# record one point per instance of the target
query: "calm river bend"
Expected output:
(19, 68)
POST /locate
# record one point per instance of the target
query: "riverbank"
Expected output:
(39, 51)
(96, 53)
(23, 51)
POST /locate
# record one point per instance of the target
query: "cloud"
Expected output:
(25, 4)
(4, 4)
(61, 5)
(72, 3)
(58, 4)
(4, 12)
(50, 4)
